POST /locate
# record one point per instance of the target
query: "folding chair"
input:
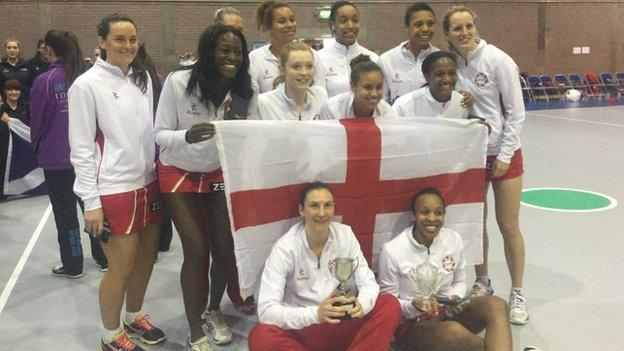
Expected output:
(579, 84)
(620, 79)
(538, 90)
(594, 83)
(562, 82)
(527, 94)
(551, 88)
(610, 84)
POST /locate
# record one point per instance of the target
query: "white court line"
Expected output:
(22, 262)
(575, 120)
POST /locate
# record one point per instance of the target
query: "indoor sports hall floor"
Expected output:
(573, 274)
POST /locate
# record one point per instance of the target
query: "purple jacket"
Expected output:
(49, 118)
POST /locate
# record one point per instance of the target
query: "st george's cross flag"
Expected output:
(374, 167)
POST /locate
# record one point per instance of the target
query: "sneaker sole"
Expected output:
(67, 275)
(516, 322)
(143, 340)
(222, 343)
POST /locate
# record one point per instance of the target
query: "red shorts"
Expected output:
(132, 211)
(175, 180)
(516, 167)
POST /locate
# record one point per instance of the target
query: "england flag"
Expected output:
(374, 166)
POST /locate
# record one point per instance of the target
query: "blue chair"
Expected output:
(580, 84)
(538, 90)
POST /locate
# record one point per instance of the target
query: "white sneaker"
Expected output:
(221, 333)
(518, 313)
(480, 289)
(203, 344)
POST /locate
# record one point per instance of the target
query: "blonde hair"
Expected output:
(446, 21)
(285, 54)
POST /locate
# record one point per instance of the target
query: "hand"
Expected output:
(453, 308)
(499, 168)
(419, 303)
(327, 313)
(467, 99)
(5, 118)
(358, 310)
(94, 221)
(200, 132)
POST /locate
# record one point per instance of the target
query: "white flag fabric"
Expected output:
(374, 166)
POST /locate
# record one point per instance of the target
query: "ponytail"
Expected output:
(65, 45)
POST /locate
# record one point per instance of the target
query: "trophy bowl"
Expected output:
(426, 278)
(343, 268)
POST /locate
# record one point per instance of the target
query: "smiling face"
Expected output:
(368, 92)
(462, 32)
(317, 211)
(442, 79)
(298, 70)
(12, 94)
(12, 50)
(421, 28)
(284, 26)
(346, 25)
(121, 44)
(428, 215)
(228, 55)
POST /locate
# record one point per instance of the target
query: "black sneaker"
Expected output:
(103, 266)
(144, 330)
(121, 344)
(59, 271)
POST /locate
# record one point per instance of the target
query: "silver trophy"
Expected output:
(426, 278)
(343, 268)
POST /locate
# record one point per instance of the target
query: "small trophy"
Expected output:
(427, 277)
(343, 268)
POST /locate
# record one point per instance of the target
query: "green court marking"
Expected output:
(567, 200)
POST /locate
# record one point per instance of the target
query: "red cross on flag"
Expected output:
(374, 166)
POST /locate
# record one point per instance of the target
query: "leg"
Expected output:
(491, 313)
(63, 202)
(166, 229)
(507, 194)
(221, 245)
(481, 270)
(436, 335)
(265, 337)
(96, 247)
(147, 249)
(185, 209)
(378, 326)
(121, 251)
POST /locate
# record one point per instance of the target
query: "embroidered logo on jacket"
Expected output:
(331, 72)
(397, 79)
(193, 111)
(267, 74)
(481, 80)
(448, 263)
(302, 275)
(115, 95)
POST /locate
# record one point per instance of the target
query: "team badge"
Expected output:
(302, 275)
(481, 80)
(331, 72)
(397, 79)
(448, 263)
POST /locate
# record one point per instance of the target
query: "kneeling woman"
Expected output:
(457, 328)
(365, 97)
(297, 291)
(438, 97)
(294, 97)
(216, 87)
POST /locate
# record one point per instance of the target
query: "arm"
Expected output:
(82, 132)
(364, 278)
(271, 309)
(511, 94)
(38, 106)
(388, 275)
(166, 131)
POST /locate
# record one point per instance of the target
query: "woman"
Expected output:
(39, 63)
(294, 97)
(49, 123)
(402, 64)
(298, 306)
(365, 97)
(17, 168)
(438, 98)
(337, 53)
(489, 73)
(427, 325)
(278, 18)
(216, 87)
(229, 16)
(113, 152)
(12, 66)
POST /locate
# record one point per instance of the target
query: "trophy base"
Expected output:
(346, 317)
(423, 316)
